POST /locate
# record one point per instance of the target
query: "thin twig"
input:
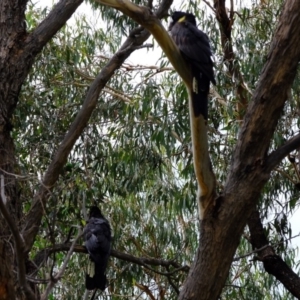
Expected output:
(209, 5)
(59, 275)
(145, 289)
(183, 268)
(264, 247)
(17, 175)
(285, 175)
(173, 285)
(280, 153)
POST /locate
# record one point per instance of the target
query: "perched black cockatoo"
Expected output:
(195, 48)
(97, 236)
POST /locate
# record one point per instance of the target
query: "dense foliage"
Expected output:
(134, 158)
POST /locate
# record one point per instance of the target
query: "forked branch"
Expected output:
(204, 175)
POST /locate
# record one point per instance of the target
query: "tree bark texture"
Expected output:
(18, 50)
(226, 217)
(221, 229)
(12, 32)
(25, 48)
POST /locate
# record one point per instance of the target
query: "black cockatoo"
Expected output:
(97, 236)
(195, 48)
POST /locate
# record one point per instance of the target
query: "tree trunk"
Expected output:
(17, 53)
(12, 31)
(222, 226)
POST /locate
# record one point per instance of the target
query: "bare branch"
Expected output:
(264, 247)
(145, 289)
(286, 175)
(19, 177)
(136, 38)
(59, 275)
(4, 200)
(279, 154)
(151, 22)
(209, 5)
(172, 283)
(202, 165)
(273, 263)
(141, 261)
(183, 268)
(55, 20)
(225, 24)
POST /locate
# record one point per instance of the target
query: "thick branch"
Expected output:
(141, 261)
(19, 48)
(204, 175)
(32, 222)
(151, 22)
(79, 124)
(202, 164)
(272, 90)
(279, 154)
(223, 228)
(55, 20)
(226, 22)
(273, 263)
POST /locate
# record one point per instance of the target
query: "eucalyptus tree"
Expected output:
(83, 124)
